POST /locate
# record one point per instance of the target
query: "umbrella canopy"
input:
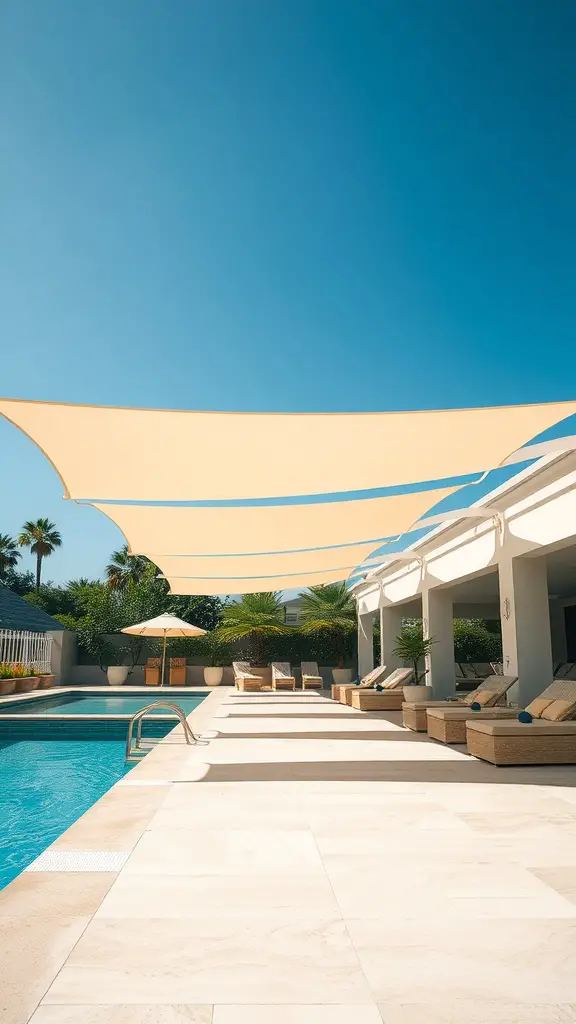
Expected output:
(164, 625)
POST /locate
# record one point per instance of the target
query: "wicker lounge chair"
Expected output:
(281, 677)
(311, 678)
(414, 712)
(373, 677)
(448, 724)
(152, 671)
(244, 679)
(544, 740)
(390, 698)
(177, 671)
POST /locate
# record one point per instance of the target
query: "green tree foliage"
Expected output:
(20, 582)
(9, 553)
(473, 641)
(42, 537)
(255, 618)
(124, 568)
(328, 612)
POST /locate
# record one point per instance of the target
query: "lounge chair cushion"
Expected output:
(538, 727)
(469, 698)
(558, 710)
(537, 706)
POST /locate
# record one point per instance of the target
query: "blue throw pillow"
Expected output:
(475, 706)
(525, 716)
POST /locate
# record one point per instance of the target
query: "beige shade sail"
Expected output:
(184, 585)
(164, 455)
(158, 530)
(276, 564)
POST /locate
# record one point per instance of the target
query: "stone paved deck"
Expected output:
(307, 864)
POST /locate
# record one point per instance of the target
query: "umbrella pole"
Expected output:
(163, 661)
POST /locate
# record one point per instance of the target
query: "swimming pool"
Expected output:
(45, 785)
(77, 703)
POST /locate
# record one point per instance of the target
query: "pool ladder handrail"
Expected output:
(138, 717)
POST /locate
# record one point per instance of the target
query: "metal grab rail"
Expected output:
(139, 716)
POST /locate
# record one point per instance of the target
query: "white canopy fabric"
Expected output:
(170, 455)
(164, 625)
(263, 565)
(157, 530)
(183, 585)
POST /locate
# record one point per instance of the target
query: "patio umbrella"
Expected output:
(165, 625)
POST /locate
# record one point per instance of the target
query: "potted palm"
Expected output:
(217, 654)
(412, 646)
(255, 618)
(329, 612)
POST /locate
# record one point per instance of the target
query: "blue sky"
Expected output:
(280, 204)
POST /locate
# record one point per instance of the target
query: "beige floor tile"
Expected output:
(190, 851)
(474, 1012)
(532, 961)
(32, 951)
(561, 879)
(213, 959)
(296, 1015)
(44, 894)
(122, 1015)
(116, 822)
(166, 896)
(524, 824)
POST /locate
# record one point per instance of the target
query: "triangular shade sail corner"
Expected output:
(172, 455)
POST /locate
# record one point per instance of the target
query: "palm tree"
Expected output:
(42, 538)
(124, 568)
(254, 618)
(413, 646)
(9, 553)
(330, 610)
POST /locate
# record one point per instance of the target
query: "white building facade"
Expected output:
(518, 562)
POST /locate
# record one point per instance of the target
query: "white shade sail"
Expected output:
(164, 455)
(157, 530)
(181, 585)
(165, 625)
(277, 564)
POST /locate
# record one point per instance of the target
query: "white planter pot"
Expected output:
(417, 692)
(213, 675)
(341, 676)
(117, 674)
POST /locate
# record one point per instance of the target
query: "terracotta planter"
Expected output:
(25, 684)
(213, 675)
(342, 676)
(45, 682)
(7, 686)
(117, 674)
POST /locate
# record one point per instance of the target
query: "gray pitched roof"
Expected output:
(16, 613)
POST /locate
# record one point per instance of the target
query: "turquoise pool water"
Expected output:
(45, 785)
(107, 704)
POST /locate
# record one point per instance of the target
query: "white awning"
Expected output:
(164, 455)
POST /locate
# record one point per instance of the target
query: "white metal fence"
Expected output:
(22, 647)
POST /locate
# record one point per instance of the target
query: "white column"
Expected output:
(558, 632)
(390, 627)
(437, 615)
(365, 643)
(525, 616)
